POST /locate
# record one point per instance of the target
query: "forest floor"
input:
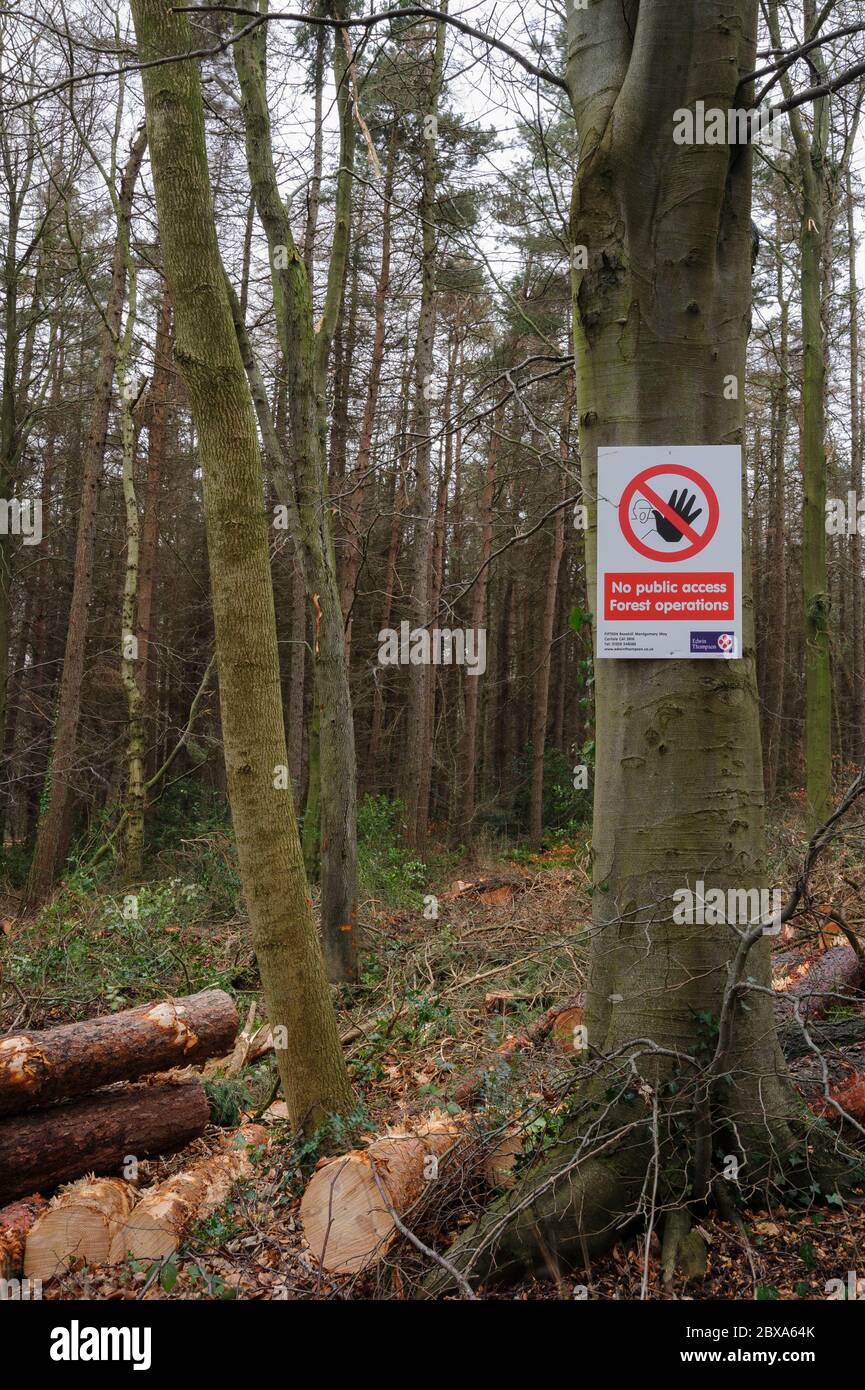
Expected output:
(438, 995)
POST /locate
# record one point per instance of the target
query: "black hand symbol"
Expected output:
(681, 505)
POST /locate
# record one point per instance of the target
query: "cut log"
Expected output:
(567, 1033)
(560, 1021)
(47, 1147)
(833, 975)
(61, 1063)
(469, 1087)
(552, 1017)
(158, 1224)
(79, 1224)
(500, 1163)
(15, 1222)
(840, 1033)
(347, 1219)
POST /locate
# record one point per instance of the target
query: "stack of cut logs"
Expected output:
(92, 1099)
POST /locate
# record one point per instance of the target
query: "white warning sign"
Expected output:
(670, 552)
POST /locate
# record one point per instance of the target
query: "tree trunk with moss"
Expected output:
(689, 1081)
(303, 487)
(311, 1064)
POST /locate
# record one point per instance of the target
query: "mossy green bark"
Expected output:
(311, 1064)
(305, 351)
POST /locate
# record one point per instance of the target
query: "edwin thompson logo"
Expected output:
(77, 1343)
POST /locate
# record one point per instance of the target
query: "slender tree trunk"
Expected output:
(133, 850)
(468, 754)
(856, 483)
(52, 837)
(303, 487)
(777, 561)
(313, 197)
(297, 679)
(156, 446)
(420, 684)
(545, 645)
(815, 229)
(311, 1064)
(343, 356)
(360, 477)
(436, 580)
(373, 778)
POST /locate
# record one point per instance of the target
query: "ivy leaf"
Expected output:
(577, 619)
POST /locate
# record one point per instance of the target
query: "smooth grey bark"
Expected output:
(661, 321)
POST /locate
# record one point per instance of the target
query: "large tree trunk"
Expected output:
(46, 1147)
(59, 1063)
(284, 934)
(661, 322)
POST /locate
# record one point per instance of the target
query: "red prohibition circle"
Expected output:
(635, 486)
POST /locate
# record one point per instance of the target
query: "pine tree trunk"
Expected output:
(777, 563)
(469, 754)
(52, 838)
(354, 537)
(415, 803)
(857, 615)
(133, 843)
(542, 674)
(815, 230)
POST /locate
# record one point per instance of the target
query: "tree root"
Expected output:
(572, 1206)
(591, 1189)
